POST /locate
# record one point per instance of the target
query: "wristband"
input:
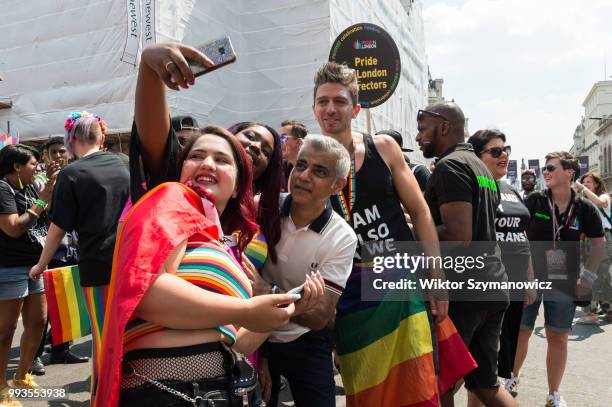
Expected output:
(41, 203)
(588, 276)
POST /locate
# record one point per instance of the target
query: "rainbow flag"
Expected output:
(6, 139)
(151, 229)
(385, 349)
(66, 304)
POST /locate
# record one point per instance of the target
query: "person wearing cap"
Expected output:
(421, 173)
(185, 127)
(528, 181)
(292, 135)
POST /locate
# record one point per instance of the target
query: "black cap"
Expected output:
(395, 135)
(184, 123)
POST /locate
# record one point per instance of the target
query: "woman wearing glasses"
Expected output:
(511, 221)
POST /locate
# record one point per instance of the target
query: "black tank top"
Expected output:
(376, 214)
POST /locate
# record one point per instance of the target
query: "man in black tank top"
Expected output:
(378, 182)
(383, 180)
(463, 197)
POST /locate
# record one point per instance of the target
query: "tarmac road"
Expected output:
(587, 381)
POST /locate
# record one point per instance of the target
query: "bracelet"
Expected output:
(588, 276)
(31, 212)
(41, 203)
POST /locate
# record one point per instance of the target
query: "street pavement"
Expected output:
(587, 381)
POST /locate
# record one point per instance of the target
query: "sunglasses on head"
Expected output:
(496, 152)
(422, 113)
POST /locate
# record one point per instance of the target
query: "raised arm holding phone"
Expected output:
(170, 250)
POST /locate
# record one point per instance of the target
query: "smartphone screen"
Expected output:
(220, 51)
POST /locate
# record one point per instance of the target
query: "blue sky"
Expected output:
(522, 66)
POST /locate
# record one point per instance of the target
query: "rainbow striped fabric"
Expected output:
(257, 250)
(66, 304)
(151, 229)
(207, 265)
(95, 298)
(386, 351)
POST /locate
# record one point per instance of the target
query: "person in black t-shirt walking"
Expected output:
(463, 198)
(510, 224)
(559, 219)
(89, 196)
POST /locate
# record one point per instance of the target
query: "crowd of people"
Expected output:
(226, 259)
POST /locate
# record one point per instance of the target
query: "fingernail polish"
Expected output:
(295, 297)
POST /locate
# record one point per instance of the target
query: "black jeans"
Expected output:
(308, 366)
(508, 340)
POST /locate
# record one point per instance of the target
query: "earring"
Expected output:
(20, 183)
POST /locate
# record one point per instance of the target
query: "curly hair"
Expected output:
(269, 185)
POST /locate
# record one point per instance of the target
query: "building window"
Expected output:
(609, 160)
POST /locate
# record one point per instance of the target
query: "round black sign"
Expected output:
(371, 51)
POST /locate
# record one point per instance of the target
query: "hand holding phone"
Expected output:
(297, 290)
(220, 52)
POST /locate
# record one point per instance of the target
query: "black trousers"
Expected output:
(308, 366)
(508, 341)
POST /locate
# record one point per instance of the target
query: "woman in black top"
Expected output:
(510, 225)
(23, 228)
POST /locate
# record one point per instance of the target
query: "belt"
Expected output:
(197, 393)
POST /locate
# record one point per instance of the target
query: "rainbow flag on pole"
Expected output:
(66, 304)
(6, 139)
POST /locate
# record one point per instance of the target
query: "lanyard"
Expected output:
(346, 205)
(557, 227)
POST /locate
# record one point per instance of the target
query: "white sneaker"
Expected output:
(589, 319)
(511, 384)
(555, 400)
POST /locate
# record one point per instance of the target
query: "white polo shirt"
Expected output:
(328, 245)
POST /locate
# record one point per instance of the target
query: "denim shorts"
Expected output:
(558, 315)
(20, 285)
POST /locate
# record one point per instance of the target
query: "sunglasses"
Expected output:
(549, 168)
(422, 113)
(496, 152)
(283, 139)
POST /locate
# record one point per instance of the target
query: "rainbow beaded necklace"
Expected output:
(346, 205)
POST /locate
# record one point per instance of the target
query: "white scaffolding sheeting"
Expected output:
(59, 56)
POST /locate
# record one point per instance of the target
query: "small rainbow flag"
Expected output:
(66, 304)
(6, 139)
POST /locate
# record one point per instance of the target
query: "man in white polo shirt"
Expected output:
(314, 239)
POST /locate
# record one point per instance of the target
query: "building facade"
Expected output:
(588, 139)
(60, 56)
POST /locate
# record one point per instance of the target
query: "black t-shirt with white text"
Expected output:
(26, 249)
(460, 176)
(89, 196)
(510, 225)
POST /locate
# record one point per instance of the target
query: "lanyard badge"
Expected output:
(556, 259)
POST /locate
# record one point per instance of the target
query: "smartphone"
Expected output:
(297, 290)
(220, 51)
